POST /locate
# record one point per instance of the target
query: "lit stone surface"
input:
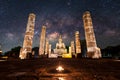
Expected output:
(51, 55)
(67, 55)
(77, 42)
(60, 47)
(42, 41)
(47, 47)
(92, 50)
(28, 38)
(72, 47)
(0, 50)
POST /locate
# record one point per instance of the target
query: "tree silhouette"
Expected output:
(111, 51)
(14, 52)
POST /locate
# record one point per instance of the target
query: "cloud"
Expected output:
(53, 36)
(111, 33)
(10, 36)
(64, 36)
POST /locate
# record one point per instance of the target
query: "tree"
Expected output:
(111, 51)
(83, 47)
(14, 52)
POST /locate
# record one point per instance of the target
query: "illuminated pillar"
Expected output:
(42, 41)
(72, 47)
(26, 50)
(47, 47)
(77, 42)
(92, 50)
(0, 50)
(70, 51)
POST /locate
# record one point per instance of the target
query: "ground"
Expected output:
(74, 69)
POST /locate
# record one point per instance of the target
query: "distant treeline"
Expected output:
(111, 51)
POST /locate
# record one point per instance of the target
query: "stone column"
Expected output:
(47, 47)
(26, 50)
(72, 48)
(42, 41)
(92, 49)
(77, 43)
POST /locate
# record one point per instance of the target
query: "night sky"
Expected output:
(61, 17)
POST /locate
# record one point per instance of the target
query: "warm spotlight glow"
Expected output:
(60, 68)
(60, 78)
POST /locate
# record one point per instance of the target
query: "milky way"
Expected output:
(62, 17)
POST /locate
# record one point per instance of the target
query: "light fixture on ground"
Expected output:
(61, 78)
(60, 69)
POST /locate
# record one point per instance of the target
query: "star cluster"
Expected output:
(62, 17)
